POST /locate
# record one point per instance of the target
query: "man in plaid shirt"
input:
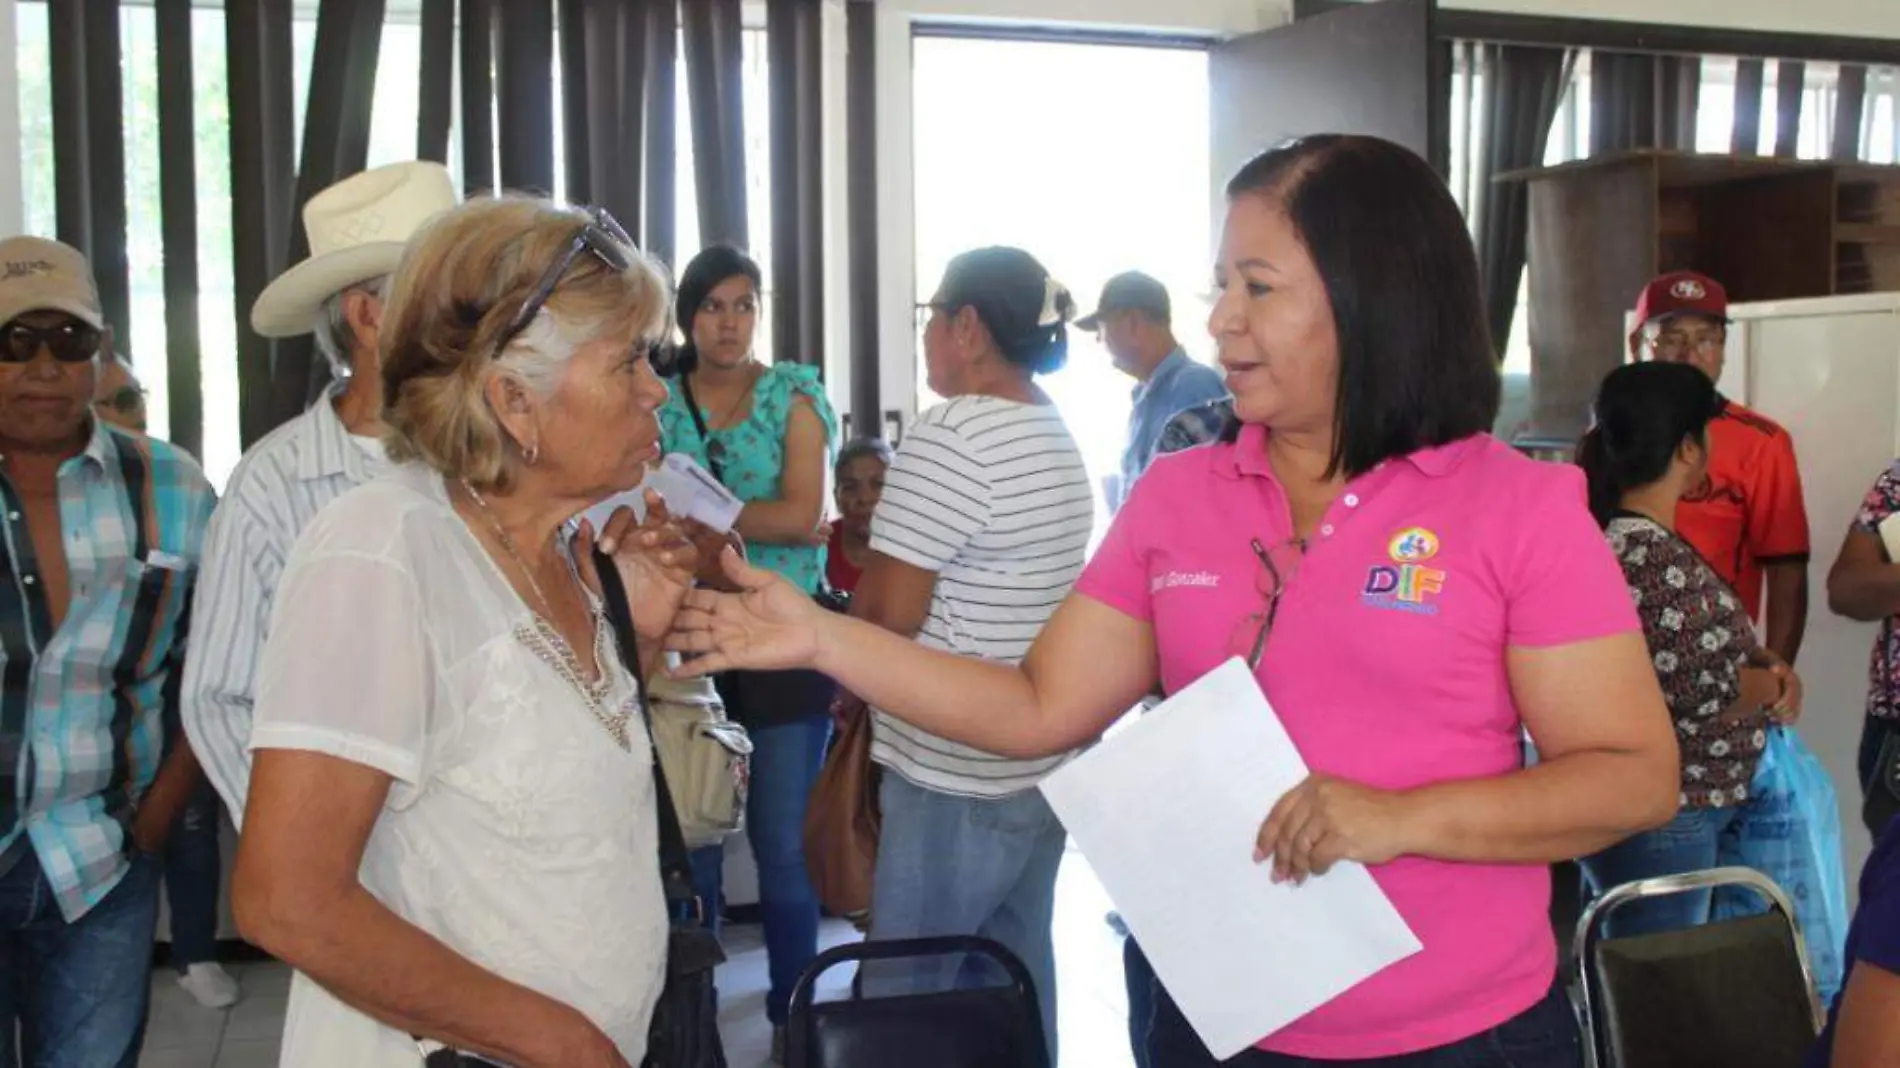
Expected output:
(99, 538)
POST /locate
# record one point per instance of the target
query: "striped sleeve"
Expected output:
(936, 497)
(229, 617)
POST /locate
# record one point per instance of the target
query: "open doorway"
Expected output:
(1094, 158)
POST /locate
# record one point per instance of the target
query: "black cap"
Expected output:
(1130, 291)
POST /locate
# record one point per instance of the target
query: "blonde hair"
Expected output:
(461, 282)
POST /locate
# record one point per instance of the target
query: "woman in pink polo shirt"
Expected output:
(1411, 593)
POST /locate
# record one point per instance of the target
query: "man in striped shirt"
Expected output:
(358, 228)
(100, 536)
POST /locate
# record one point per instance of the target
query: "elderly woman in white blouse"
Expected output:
(451, 827)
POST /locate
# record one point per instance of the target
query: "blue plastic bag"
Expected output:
(1790, 831)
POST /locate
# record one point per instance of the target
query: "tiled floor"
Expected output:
(1092, 1003)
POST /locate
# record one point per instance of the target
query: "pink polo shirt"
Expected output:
(1387, 665)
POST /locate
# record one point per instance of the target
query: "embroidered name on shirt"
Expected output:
(1174, 580)
(1406, 584)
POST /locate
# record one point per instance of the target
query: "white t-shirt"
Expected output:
(516, 831)
(992, 495)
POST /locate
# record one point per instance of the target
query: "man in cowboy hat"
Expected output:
(1747, 519)
(103, 529)
(357, 229)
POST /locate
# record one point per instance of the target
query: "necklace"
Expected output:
(552, 648)
(745, 394)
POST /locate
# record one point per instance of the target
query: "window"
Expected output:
(1092, 157)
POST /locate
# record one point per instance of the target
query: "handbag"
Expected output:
(1882, 796)
(1790, 831)
(684, 1032)
(765, 698)
(708, 757)
(685, 1028)
(842, 819)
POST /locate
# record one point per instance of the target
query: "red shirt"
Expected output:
(840, 573)
(1748, 511)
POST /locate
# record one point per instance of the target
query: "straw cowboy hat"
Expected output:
(357, 229)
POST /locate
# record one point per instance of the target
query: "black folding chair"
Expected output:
(1734, 993)
(987, 1027)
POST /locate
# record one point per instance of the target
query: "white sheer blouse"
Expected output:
(516, 830)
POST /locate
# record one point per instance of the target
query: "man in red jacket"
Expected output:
(1747, 518)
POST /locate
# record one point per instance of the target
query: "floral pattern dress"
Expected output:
(1699, 639)
(1883, 670)
(752, 455)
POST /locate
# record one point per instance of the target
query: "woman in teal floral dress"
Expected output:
(768, 433)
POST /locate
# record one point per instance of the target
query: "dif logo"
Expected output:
(1406, 584)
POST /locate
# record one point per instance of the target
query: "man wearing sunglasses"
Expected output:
(98, 548)
(1747, 519)
(357, 229)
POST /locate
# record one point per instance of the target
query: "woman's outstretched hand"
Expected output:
(769, 624)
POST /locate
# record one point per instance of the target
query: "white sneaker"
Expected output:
(211, 985)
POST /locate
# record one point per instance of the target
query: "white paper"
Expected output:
(1890, 536)
(688, 490)
(1167, 812)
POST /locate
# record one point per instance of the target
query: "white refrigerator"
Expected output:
(1828, 370)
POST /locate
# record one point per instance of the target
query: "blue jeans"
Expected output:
(1697, 839)
(192, 879)
(786, 760)
(949, 865)
(76, 992)
(1543, 1036)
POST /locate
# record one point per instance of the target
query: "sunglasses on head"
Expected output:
(601, 236)
(69, 342)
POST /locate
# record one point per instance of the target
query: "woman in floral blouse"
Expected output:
(768, 433)
(1722, 686)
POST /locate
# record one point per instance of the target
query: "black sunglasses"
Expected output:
(69, 342)
(603, 237)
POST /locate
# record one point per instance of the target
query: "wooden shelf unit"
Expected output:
(1767, 229)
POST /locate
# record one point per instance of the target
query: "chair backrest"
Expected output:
(987, 1027)
(1732, 993)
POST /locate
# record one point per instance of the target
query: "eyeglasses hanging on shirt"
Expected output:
(1277, 567)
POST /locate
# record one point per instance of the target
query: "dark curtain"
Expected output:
(795, 60)
(1639, 100)
(263, 185)
(335, 146)
(715, 65)
(861, 180)
(1524, 87)
(89, 144)
(1850, 109)
(1750, 76)
(1791, 78)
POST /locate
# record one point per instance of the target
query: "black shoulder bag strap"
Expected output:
(676, 871)
(699, 424)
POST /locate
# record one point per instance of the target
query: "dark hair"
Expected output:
(861, 448)
(1008, 289)
(1416, 363)
(704, 273)
(1644, 412)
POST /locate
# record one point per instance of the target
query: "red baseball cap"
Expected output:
(1682, 293)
